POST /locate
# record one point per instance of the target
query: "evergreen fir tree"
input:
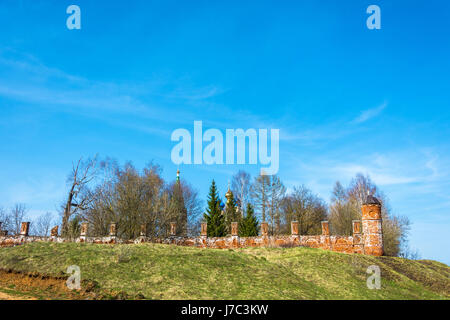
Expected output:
(213, 216)
(248, 226)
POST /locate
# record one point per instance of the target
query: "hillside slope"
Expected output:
(172, 272)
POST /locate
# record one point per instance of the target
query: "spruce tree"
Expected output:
(213, 215)
(248, 226)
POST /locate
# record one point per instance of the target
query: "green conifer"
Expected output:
(213, 216)
(248, 226)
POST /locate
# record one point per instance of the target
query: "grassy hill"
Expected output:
(155, 271)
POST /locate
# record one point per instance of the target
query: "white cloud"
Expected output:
(370, 113)
(407, 173)
(380, 175)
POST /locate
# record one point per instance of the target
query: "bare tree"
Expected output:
(194, 207)
(240, 186)
(409, 253)
(346, 206)
(129, 198)
(306, 208)
(342, 211)
(100, 211)
(260, 191)
(17, 216)
(360, 187)
(276, 194)
(78, 197)
(5, 221)
(42, 225)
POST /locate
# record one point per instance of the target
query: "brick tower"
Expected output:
(372, 226)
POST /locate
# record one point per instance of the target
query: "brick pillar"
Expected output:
(143, 230)
(356, 227)
(295, 238)
(234, 229)
(112, 230)
(325, 228)
(294, 228)
(372, 227)
(84, 229)
(357, 238)
(235, 242)
(325, 239)
(264, 229)
(173, 228)
(204, 230)
(24, 229)
(54, 231)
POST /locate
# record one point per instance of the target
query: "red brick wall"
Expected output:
(367, 237)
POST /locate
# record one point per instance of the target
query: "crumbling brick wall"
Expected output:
(366, 239)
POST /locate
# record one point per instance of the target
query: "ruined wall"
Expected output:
(366, 238)
(335, 243)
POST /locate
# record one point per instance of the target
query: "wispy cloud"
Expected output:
(406, 174)
(379, 175)
(27, 79)
(312, 135)
(308, 134)
(370, 113)
(154, 107)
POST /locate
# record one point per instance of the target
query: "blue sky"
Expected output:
(345, 98)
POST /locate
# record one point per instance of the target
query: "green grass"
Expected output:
(157, 271)
(19, 295)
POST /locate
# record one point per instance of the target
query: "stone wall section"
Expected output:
(367, 236)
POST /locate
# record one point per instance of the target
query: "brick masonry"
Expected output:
(367, 237)
(372, 230)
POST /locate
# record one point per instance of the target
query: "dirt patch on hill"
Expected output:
(28, 286)
(9, 296)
